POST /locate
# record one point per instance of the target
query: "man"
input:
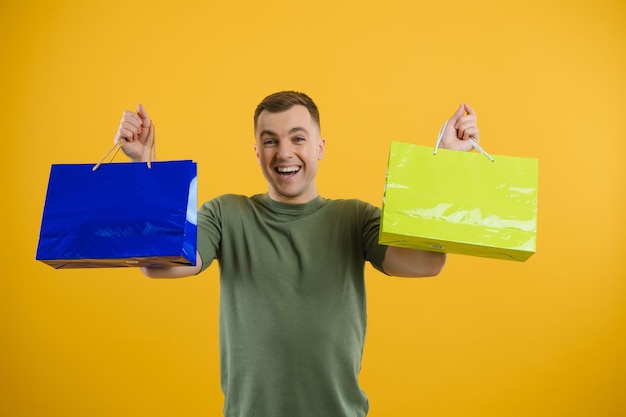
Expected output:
(292, 292)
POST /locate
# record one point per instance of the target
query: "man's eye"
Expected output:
(269, 142)
(299, 139)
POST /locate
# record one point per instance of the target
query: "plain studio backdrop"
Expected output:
(485, 338)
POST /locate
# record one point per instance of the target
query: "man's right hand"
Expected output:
(133, 134)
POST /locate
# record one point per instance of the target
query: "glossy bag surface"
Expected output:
(460, 202)
(122, 214)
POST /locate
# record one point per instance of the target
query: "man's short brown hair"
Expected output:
(284, 100)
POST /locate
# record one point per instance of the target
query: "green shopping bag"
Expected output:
(460, 202)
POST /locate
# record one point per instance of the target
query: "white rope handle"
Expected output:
(472, 141)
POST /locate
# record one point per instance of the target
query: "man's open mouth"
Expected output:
(286, 171)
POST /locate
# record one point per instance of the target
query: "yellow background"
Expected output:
(486, 338)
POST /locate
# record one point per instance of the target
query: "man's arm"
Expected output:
(174, 271)
(404, 262)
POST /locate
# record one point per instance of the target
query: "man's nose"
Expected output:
(285, 150)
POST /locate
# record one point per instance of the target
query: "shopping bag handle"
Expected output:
(472, 141)
(121, 143)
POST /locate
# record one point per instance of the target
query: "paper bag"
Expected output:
(460, 202)
(123, 214)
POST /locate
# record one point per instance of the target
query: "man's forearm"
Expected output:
(404, 262)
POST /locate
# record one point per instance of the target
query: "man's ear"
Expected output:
(256, 151)
(321, 148)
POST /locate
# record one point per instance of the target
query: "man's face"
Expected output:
(288, 146)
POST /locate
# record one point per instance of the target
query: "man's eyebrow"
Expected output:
(298, 129)
(292, 130)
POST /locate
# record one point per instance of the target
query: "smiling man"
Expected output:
(288, 146)
(292, 291)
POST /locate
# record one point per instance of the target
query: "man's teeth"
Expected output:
(285, 170)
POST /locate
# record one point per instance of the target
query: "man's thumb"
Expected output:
(460, 112)
(141, 111)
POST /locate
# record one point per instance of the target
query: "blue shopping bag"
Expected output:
(122, 214)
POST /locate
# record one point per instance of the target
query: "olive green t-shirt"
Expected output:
(292, 302)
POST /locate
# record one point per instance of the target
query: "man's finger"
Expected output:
(454, 120)
(469, 110)
(141, 111)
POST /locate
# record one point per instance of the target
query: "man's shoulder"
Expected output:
(234, 199)
(349, 202)
(226, 202)
(351, 205)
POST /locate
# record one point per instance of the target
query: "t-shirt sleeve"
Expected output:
(209, 231)
(374, 252)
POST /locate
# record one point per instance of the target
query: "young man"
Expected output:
(292, 292)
